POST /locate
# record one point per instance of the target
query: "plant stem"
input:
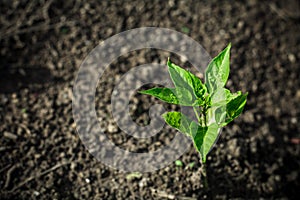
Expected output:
(204, 175)
(204, 119)
(204, 115)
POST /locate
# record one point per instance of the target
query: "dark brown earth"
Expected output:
(42, 44)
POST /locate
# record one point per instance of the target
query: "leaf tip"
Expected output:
(229, 45)
(141, 91)
(164, 115)
(169, 63)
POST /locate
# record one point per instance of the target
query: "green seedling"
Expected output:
(178, 163)
(191, 165)
(185, 30)
(214, 105)
(134, 175)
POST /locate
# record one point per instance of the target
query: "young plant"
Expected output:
(214, 105)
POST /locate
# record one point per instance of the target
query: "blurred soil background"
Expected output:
(43, 43)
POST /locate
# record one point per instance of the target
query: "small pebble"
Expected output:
(111, 128)
(277, 178)
(292, 58)
(36, 193)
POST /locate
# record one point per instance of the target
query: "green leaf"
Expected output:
(185, 79)
(217, 72)
(220, 115)
(184, 96)
(178, 96)
(235, 107)
(178, 121)
(209, 140)
(224, 110)
(205, 138)
(220, 99)
(164, 94)
(196, 130)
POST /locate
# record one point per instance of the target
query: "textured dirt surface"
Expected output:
(42, 44)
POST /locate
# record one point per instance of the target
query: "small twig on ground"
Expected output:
(41, 174)
(4, 168)
(8, 175)
(162, 194)
(45, 11)
(38, 27)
